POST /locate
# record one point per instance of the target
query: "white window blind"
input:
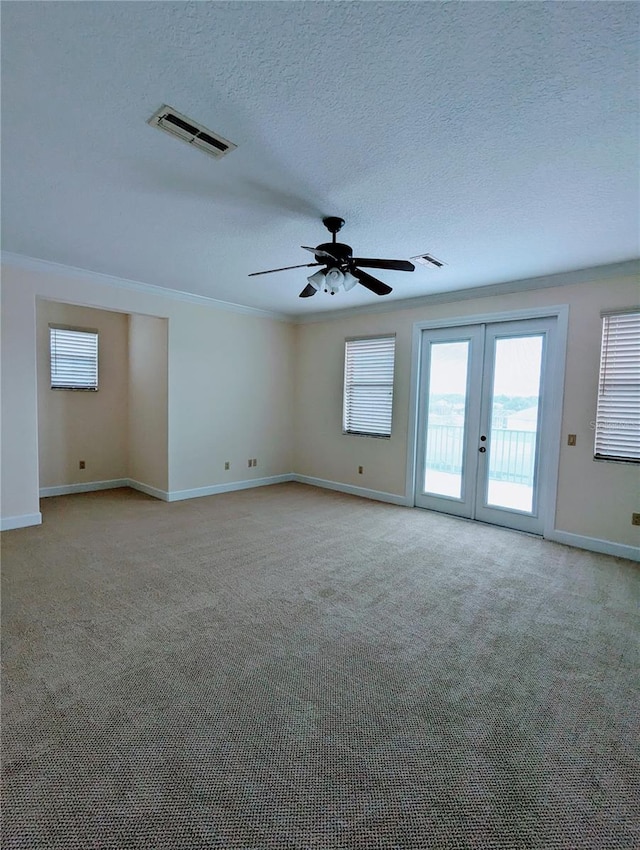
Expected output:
(618, 414)
(74, 359)
(368, 386)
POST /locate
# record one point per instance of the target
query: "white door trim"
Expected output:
(551, 457)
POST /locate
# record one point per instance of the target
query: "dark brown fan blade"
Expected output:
(371, 283)
(284, 268)
(397, 265)
(318, 252)
(308, 291)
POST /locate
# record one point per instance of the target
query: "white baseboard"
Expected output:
(8, 523)
(352, 489)
(594, 544)
(84, 487)
(163, 495)
(214, 489)
(578, 541)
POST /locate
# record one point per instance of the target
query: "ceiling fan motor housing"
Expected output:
(340, 251)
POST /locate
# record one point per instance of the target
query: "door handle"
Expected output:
(482, 449)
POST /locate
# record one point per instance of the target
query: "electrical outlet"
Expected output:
(249, 463)
(571, 440)
(227, 465)
(360, 470)
(635, 519)
(255, 461)
(81, 464)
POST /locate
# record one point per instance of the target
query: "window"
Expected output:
(74, 358)
(368, 386)
(617, 423)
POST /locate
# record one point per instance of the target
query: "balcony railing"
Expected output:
(511, 453)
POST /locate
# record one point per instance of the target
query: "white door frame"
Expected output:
(551, 457)
(481, 361)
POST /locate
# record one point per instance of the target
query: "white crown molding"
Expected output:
(21, 261)
(630, 268)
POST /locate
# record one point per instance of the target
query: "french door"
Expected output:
(483, 405)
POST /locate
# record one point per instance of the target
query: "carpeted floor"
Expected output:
(288, 668)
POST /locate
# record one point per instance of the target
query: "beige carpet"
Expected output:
(288, 668)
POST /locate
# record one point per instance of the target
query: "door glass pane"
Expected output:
(514, 422)
(445, 418)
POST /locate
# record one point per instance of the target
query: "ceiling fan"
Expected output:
(341, 267)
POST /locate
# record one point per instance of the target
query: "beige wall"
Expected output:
(230, 384)
(595, 499)
(74, 426)
(148, 401)
(231, 397)
(235, 382)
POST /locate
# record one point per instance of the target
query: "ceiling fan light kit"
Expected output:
(332, 281)
(349, 281)
(342, 270)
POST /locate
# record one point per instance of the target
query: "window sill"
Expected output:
(625, 460)
(361, 434)
(76, 389)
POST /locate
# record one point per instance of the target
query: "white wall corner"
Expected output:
(163, 495)
(8, 523)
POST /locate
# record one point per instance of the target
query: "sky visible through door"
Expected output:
(513, 422)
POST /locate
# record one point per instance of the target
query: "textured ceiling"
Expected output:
(501, 137)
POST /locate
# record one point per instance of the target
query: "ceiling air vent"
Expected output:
(428, 260)
(195, 134)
